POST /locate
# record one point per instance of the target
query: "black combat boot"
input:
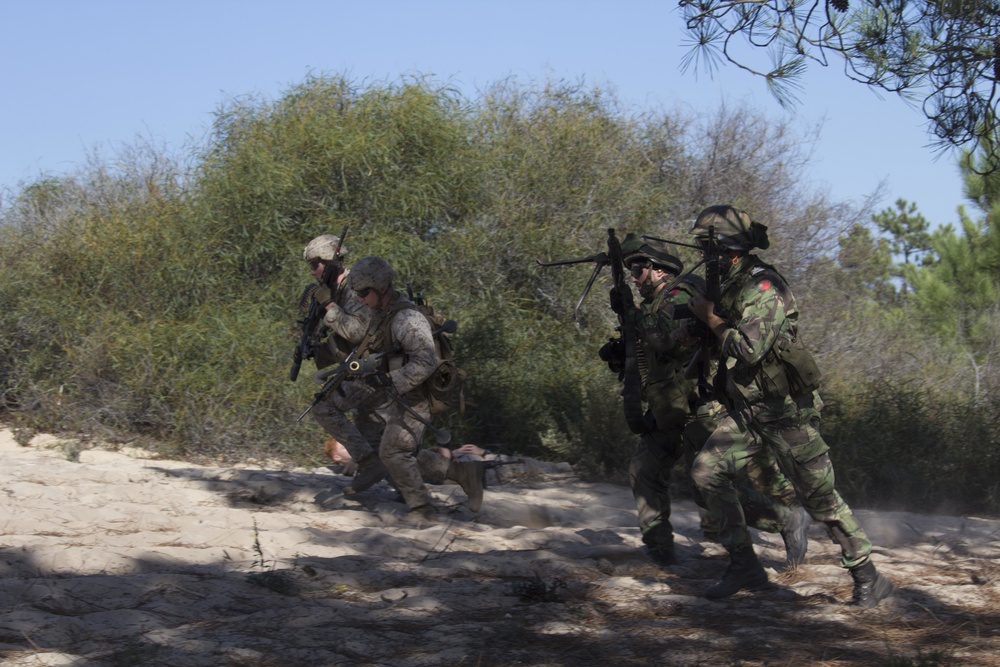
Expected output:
(870, 587)
(663, 556)
(744, 573)
(371, 470)
(796, 536)
(469, 475)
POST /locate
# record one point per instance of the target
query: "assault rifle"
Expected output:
(306, 349)
(627, 333)
(490, 464)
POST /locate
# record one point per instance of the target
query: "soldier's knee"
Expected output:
(702, 475)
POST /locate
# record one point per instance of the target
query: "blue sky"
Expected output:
(82, 76)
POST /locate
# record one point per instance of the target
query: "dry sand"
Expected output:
(121, 559)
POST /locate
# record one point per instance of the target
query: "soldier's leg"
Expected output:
(433, 466)
(716, 468)
(331, 414)
(767, 495)
(398, 451)
(804, 456)
(803, 453)
(649, 476)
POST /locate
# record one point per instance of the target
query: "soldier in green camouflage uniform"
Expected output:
(770, 386)
(681, 423)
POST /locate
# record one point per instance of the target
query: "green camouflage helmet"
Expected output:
(635, 247)
(370, 271)
(323, 248)
(734, 229)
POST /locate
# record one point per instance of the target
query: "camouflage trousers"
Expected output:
(764, 493)
(379, 423)
(795, 442)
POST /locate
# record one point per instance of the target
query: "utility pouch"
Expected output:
(800, 368)
(772, 378)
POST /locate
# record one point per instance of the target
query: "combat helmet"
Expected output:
(734, 230)
(635, 247)
(323, 248)
(372, 272)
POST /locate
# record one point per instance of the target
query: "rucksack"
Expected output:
(444, 386)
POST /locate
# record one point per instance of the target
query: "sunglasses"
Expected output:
(314, 263)
(363, 293)
(637, 268)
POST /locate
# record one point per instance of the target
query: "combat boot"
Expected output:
(469, 475)
(662, 556)
(371, 470)
(796, 536)
(870, 587)
(744, 573)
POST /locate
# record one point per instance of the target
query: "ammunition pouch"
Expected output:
(800, 368)
(444, 387)
(788, 370)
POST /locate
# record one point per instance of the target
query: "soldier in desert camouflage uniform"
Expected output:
(342, 328)
(343, 325)
(394, 323)
(770, 386)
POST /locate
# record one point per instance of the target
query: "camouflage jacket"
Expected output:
(760, 310)
(402, 325)
(347, 318)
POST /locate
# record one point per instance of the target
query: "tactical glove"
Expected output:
(378, 380)
(613, 353)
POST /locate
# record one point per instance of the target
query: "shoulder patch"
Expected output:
(764, 285)
(675, 291)
(757, 269)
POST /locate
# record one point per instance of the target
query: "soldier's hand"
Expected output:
(323, 295)
(701, 307)
(613, 354)
(378, 380)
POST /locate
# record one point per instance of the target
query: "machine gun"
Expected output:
(627, 321)
(306, 348)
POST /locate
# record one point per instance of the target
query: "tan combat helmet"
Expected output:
(323, 248)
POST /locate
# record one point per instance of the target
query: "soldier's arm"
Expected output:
(413, 333)
(351, 320)
(765, 308)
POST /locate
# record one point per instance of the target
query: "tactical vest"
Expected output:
(443, 387)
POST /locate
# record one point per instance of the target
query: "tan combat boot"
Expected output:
(469, 475)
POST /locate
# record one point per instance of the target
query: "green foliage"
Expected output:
(943, 54)
(908, 447)
(144, 301)
(908, 236)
